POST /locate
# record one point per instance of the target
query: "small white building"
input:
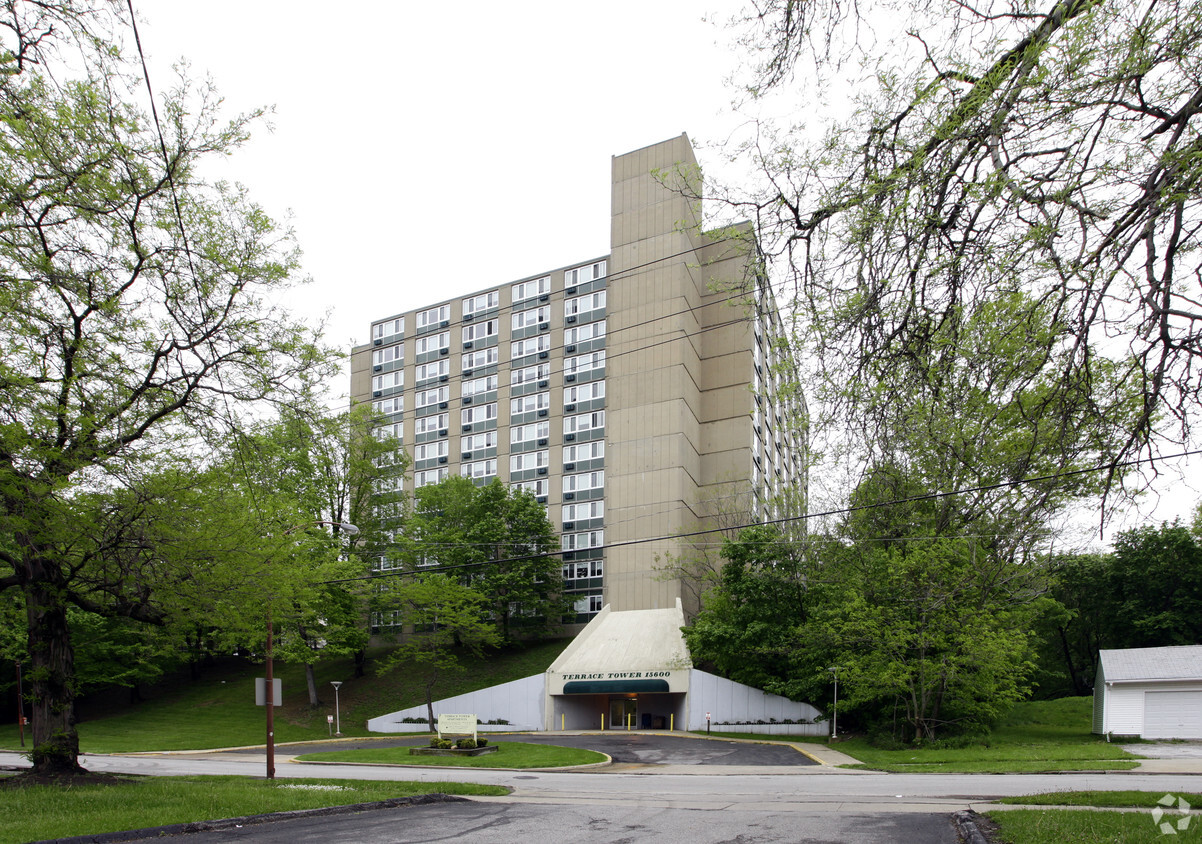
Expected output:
(1153, 693)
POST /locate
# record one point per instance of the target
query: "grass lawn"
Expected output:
(48, 812)
(510, 754)
(219, 709)
(1066, 826)
(1102, 799)
(1034, 737)
(1053, 826)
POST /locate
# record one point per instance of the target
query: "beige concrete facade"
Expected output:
(630, 392)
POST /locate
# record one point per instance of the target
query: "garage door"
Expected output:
(1173, 715)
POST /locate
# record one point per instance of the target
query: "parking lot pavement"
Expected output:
(653, 748)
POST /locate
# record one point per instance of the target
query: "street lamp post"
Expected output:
(350, 530)
(337, 711)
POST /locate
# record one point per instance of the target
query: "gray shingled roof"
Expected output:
(1181, 662)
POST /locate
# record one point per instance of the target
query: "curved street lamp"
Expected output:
(350, 530)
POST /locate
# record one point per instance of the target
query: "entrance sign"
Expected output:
(457, 725)
(617, 682)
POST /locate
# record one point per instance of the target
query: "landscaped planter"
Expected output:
(772, 729)
(454, 751)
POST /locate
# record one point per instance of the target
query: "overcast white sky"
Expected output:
(427, 150)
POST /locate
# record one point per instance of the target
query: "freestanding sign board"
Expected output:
(277, 691)
(457, 725)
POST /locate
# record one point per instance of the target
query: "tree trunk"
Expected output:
(360, 661)
(311, 679)
(51, 680)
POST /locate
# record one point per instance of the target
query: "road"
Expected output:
(669, 801)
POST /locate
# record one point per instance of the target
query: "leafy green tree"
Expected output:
(139, 314)
(446, 618)
(755, 627)
(499, 541)
(333, 468)
(1077, 622)
(1046, 150)
(1157, 583)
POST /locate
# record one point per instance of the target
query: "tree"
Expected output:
(138, 301)
(1156, 581)
(446, 617)
(920, 621)
(1042, 157)
(498, 541)
(754, 625)
(333, 468)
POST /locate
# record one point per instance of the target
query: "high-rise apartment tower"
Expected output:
(637, 394)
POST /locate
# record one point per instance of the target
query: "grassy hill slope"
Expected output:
(219, 709)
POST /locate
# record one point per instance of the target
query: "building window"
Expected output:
(433, 371)
(479, 413)
(584, 481)
(476, 442)
(530, 289)
(527, 374)
(425, 398)
(482, 358)
(433, 343)
(583, 540)
(584, 422)
(430, 476)
(479, 469)
(583, 511)
(479, 330)
(396, 404)
(584, 451)
(388, 380)
(479, 385)
(589, 605)
(531, 345)
(431, 451)
(582, 304)
(434, 316)
(484, 302)
(529, 461)
(392, 431)
(538, 488)
(388, 328)
(584, 392)
(588, 272)
(581, 333)
(580, 364)
(532, 317)
(427, 424)
(529, 404)
(387, 354)
(529, 433)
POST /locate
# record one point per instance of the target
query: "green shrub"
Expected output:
(435, 741)
(466, 744)
(446, 744)
(481, 742)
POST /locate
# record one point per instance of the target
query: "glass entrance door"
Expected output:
(623, 713)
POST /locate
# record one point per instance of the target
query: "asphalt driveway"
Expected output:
(622, 747)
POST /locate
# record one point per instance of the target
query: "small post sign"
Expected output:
(457, 725)
(277, 691)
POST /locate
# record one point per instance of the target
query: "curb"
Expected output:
(966, 825)
(230, 823)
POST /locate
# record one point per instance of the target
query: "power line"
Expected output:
(932, 496)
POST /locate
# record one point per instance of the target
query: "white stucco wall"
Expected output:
(519, 702)
(727, 700)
